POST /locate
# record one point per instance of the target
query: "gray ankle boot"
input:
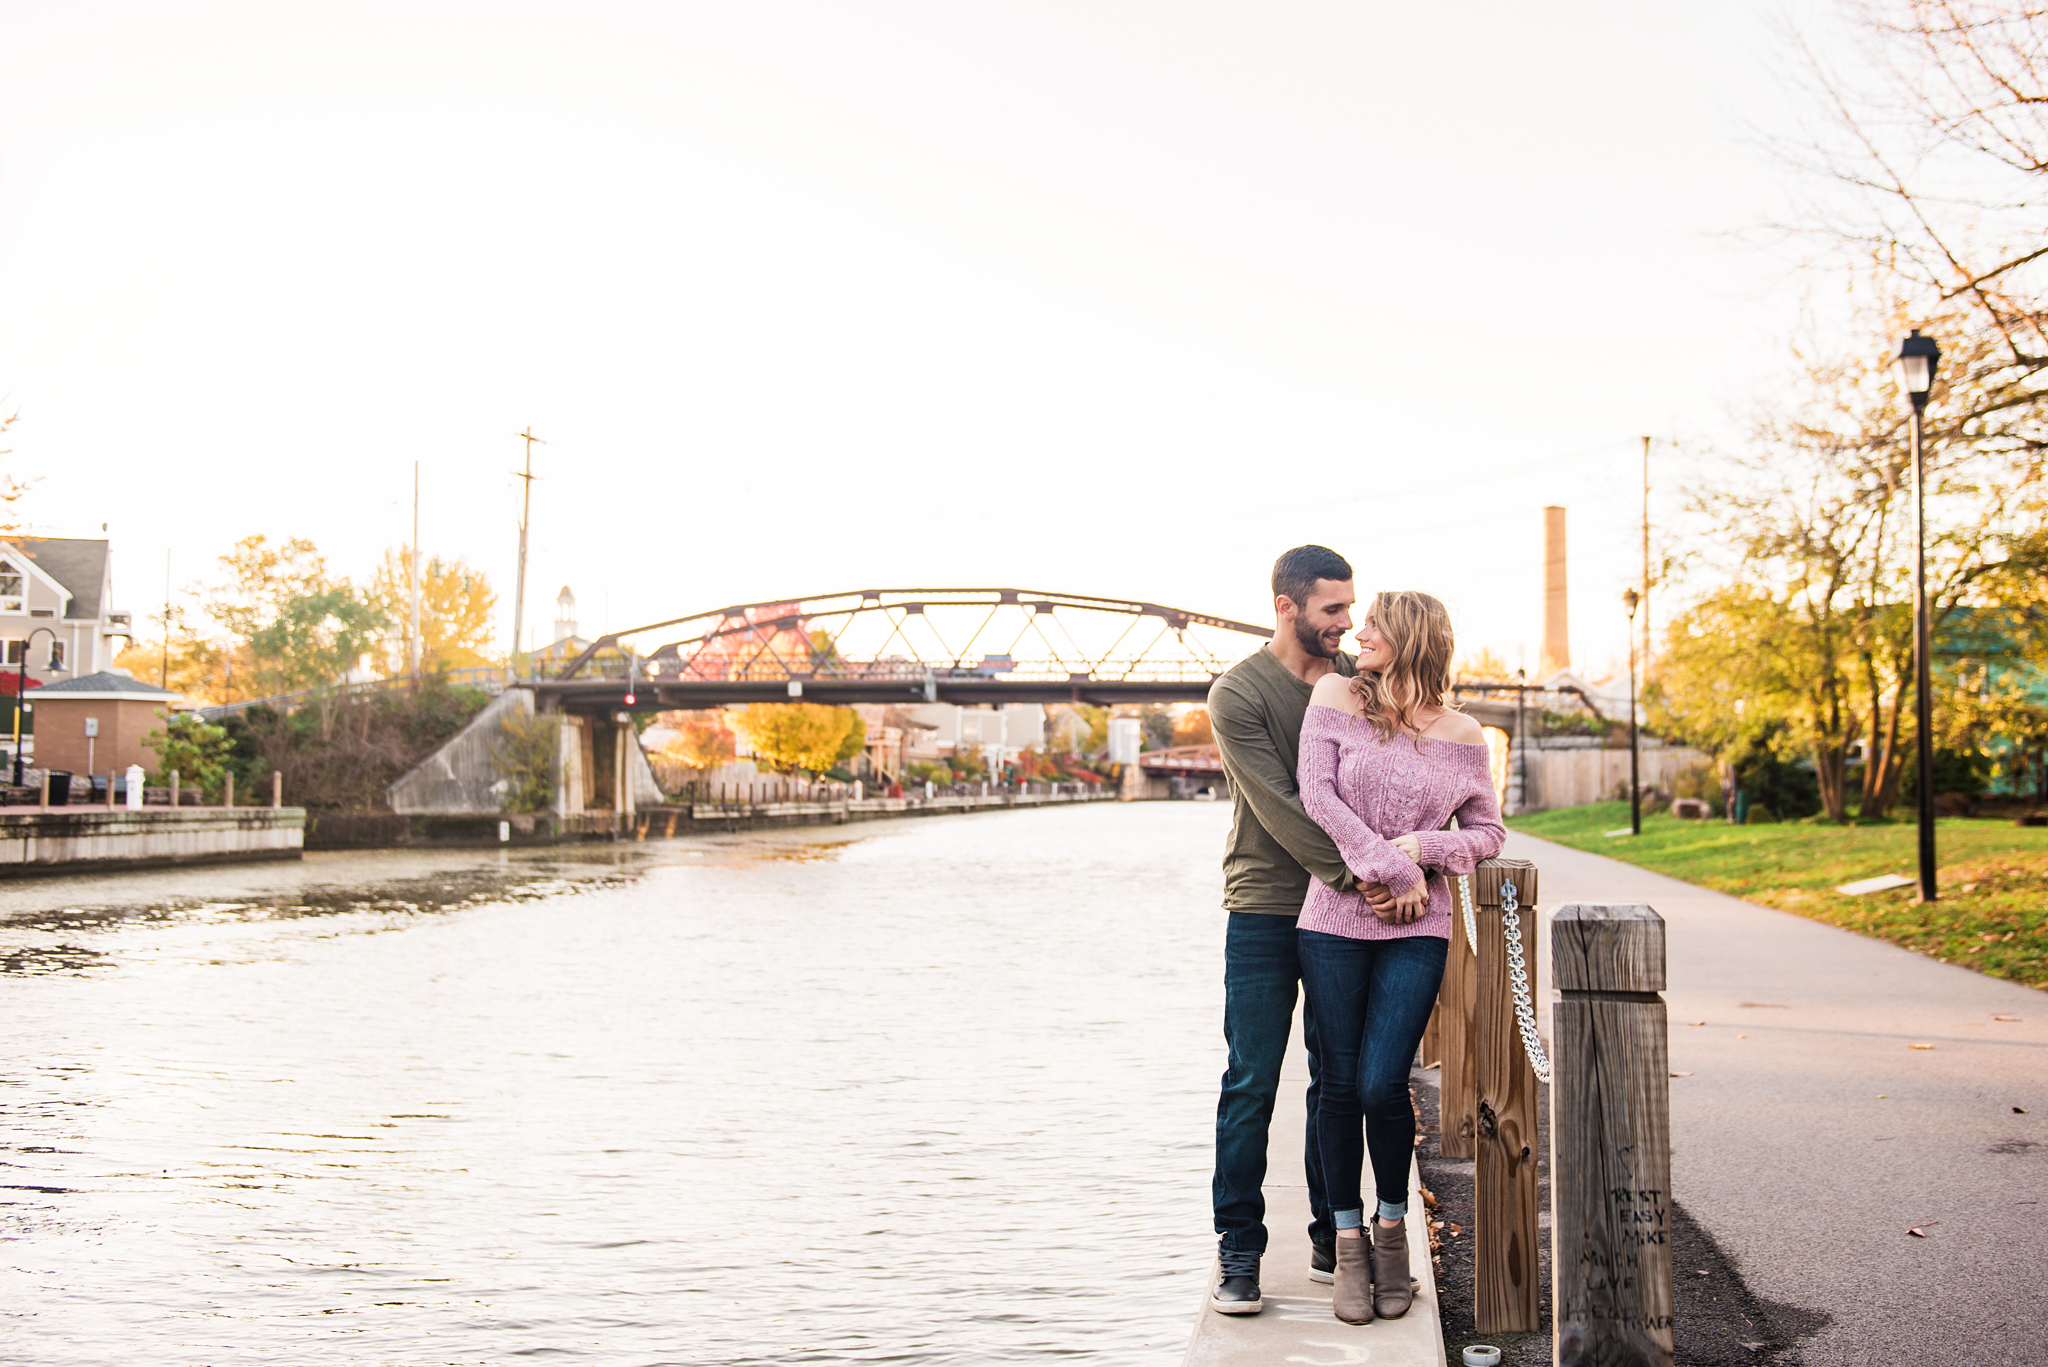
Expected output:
(1351, 1298)
(1393, 1294)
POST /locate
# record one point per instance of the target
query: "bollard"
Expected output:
(227, 792)
(46, 790)
(1504, 1121)
(131, 790)
(276, 788)
(1610, 1138)
(174, 790)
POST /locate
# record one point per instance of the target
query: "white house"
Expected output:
(56, 596)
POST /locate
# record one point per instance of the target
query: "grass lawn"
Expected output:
(1993, 911)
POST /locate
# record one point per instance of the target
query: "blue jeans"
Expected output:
(1372, 999)
(1260, 969)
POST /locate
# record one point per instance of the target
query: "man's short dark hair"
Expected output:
(1296, 572)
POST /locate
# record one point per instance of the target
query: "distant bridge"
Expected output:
(906, 646)
(975, 646)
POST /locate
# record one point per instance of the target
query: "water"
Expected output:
(935, 1091)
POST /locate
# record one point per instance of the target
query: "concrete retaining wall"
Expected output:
(1572, 777)
(462, 776)
(67, 840)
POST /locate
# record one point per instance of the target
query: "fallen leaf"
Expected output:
(1756, 1347)
(2005, 1018)
(1919, 1046)
(2019, 1110)
(1698, 1022)
(1882, 1097)
(1681, 1075)
(1915, 1230)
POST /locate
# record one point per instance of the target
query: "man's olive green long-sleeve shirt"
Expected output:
(1256, 710)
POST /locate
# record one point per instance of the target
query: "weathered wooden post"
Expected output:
(174, 791)
(276, 788)
(46, 790)
(1610, 1138)
(1504, 1141)
(1457, 1092)
(227, 793)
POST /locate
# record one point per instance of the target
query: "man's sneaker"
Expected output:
(1237, 1289)
(1322, 1263)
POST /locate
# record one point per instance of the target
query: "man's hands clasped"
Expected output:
(1399, 909)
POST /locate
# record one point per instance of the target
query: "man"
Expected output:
(1256, 711)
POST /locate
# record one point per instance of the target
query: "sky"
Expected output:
(1106, 299)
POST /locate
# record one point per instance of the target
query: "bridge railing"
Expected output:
(490, 678)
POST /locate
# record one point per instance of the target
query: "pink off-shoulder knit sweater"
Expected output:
(1366, 792)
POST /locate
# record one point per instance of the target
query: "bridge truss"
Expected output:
(962, 645)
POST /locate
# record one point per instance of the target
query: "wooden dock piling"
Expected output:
(1504, 1140)
(1610, 1138)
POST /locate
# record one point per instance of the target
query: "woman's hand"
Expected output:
(1405, 908)
(1410, 845)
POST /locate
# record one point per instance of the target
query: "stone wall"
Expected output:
(63, 840)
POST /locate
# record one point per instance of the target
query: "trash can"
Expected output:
(60, 787)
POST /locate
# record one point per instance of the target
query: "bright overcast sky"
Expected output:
(1117, 299)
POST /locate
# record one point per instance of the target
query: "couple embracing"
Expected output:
(1345, 772)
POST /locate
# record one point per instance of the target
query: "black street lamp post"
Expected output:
(21, 694)
(1635, 751)
(1914, 369)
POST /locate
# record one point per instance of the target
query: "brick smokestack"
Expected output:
(1557, 636)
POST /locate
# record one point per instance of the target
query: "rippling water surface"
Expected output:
(937, 1091)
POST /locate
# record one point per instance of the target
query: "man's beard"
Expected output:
(1311, 641)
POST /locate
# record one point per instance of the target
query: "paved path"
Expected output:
(1296, 1327)
(1809, 1135)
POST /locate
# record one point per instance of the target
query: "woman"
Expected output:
(1385, 762)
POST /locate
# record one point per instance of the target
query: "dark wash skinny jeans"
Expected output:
(1261, 967)
(1371, 1000)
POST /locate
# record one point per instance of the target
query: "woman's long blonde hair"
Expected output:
(1418, 627)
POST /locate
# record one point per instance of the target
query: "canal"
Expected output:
(935, 1091)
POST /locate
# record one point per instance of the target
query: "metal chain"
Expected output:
(1518, 978)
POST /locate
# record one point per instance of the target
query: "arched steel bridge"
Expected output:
(959, 645)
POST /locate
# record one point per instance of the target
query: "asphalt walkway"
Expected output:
(1838, 1092)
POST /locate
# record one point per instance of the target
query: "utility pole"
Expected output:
(412, 650)
(525, 513)
(164, 677)
(1646, 560)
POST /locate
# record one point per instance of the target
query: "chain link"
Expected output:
(1518, 977)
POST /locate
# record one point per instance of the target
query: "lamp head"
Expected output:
(1630, 598)
(1914, 367)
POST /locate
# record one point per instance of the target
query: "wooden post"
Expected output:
(174, 791)
(1457, 1092)
(1610, 1138)
(1504, 1214)
(46, 790)
(276, 788)
(227, 795)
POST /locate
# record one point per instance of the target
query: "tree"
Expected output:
(261, 580)
(800, 736)
(457, 612)
(196, 749)
(315, 639)
(1485, 666)
(1192, 728)
(524, 756)
(1814, 526)
(702, 739)
(11, 489)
